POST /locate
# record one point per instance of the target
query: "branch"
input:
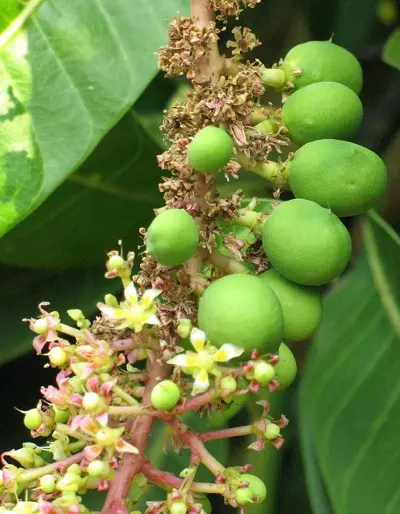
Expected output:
(131, 464)
(209, 66)
(164, 478)
(227, 433)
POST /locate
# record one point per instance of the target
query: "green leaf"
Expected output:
(391, 51)
(107, 199)
(66, 78)
(350, 391)
(9, 10)
(22, 290)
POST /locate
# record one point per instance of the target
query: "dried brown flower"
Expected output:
(187, 43)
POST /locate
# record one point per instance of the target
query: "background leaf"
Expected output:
(351, 411)
(107, 199)
(66, 79)
(391, 51)
(21, 292)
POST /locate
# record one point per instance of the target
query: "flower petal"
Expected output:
(149, 296)
(182, 360)
(227, 352)
(201, 382)
(130, 294)
(123, 446)
(153, 320)
(110, 312)
(198, 339)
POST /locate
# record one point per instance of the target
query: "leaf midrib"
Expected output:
(379, 276)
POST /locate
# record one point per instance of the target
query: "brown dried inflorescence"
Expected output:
(226, 8)
(186, 44)
(244, 41)
(231, 99)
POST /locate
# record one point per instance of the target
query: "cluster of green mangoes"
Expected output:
(303, 238)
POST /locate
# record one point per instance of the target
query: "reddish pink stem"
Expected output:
(196, 403)
(226, 433)
(196, 446)
(131, 464)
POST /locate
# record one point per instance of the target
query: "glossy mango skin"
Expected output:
(324, 110)
(347, 178)
(306, 243)
(324, 61)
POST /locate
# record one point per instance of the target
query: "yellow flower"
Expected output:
(133, 312)
(204, 361)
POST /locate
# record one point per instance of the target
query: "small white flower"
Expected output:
(133, 312)
(204, 361)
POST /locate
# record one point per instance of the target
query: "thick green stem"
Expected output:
(227, 264)
(250, 219)
(125, 396)
(270, 170)
(273, 77)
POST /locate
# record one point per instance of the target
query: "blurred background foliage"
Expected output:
(94, 102)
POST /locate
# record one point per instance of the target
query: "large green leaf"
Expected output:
(351, 392)
(66, 78)
(107, 199)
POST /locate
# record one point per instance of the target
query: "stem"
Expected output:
(65, 429)
(195, 403)
(32, 474)
(273, 77)
(196, 446)
(227, 432)
(139, 432)
(164, 478)
(209, 66)
(127, 397)
(18, 22)
(130, 411)
(226, 264)
(270, 170)
(70, 331)
(248, 218)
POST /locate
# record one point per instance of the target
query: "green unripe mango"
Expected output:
(301, 306)
(241, 310)
(172, 237)
(323, 61)
(257, 487)
(322, 110)
(306, 243)
(165, 395)
(347, 178)
(210, 150)
(286, 369)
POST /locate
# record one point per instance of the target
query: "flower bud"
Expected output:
(91, 401)
(40, 326)
(98, 468)
(111, 300)
(69, 483)
(184, 327)
(33, 419)
(272, 431)
(263, 372)
(115, 262)
(47, 483)
(178, 508)
(228, 385)
(57, 356)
